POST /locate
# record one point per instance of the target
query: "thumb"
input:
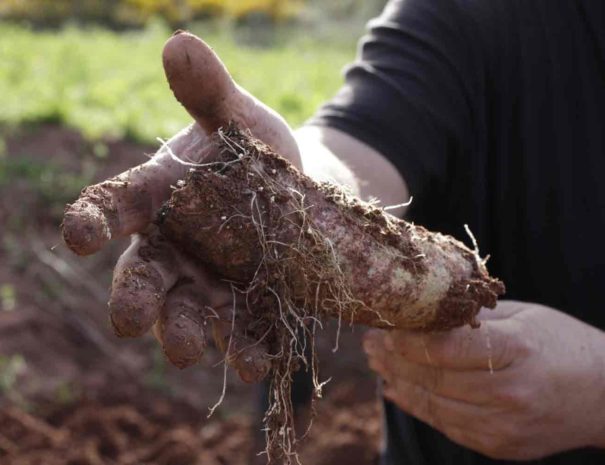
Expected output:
(202, 84)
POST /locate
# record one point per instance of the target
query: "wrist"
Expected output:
(321, 164)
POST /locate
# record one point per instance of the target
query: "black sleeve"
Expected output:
(409, 94)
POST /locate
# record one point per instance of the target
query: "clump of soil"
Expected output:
(129, 433)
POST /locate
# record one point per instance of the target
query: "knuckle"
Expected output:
(523, 347)
(506, 352)
(512, 397)
(520, 343)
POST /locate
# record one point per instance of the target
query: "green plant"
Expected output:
(11, 367)
(120, 90)
(8, 298)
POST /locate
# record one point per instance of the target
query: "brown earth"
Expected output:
(71, 393)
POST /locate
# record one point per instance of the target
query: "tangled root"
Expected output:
(297, 252)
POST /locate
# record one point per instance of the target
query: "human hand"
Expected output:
(529, 382)
(154, 284)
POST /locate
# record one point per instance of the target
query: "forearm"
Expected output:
(331, 155)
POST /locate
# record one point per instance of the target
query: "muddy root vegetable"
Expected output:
(301, 252)
(254, 218)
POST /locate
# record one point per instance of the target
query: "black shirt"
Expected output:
(494, 111)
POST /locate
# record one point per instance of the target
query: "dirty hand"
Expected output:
(528, 383)
(153, 283)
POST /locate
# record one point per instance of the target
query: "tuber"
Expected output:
(256, 220)
(299, 252)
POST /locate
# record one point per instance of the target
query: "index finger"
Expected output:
(126, 204)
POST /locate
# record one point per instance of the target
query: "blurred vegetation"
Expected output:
(10, 369)
(138, 12)
(8, 298)
(112, 84)
(48, 185)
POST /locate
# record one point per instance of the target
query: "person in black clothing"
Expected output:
(494, 113)
(489, 113)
